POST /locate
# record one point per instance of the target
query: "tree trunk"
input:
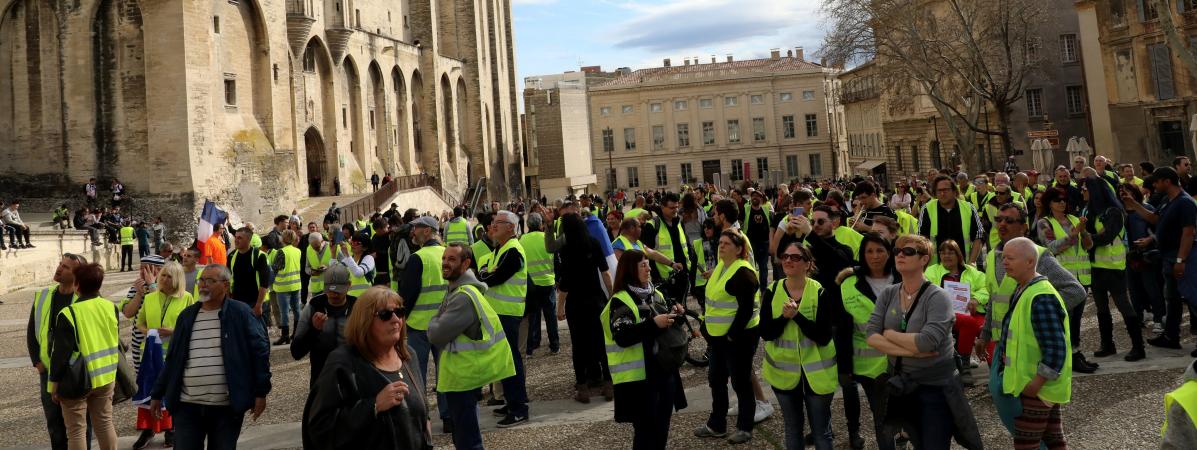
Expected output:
(1175, 40)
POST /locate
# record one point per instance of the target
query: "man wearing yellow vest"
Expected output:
(357, 255)
(287, 285)
(87, 329)
(948, 218)
(1031, 377)
(1011, 223)
(46, 305)
(475, 352)
(316, 259)
(506, 275)
(542, 297)
(126, 246)
(1180, 414)
(251, 272)
(665, 235)
(458, 229)
(423, 287)
(192, 271)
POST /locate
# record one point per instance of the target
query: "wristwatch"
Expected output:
(1180, 261)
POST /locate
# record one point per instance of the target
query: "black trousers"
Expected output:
(127, 257)
(651, 430)
(1112, 283)
(732, 358)
(589, 354)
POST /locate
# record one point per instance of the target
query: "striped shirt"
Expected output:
(203, 378)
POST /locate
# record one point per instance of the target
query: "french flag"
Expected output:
(597, 231)
(209, 219)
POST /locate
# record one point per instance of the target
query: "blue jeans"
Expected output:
(418, 340)
(542, 301)
(463, 410)
(194, 424)
(818, 407)
(288, 305)
(514, 389)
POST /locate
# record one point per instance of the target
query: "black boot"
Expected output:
(1107, 349)
(1080, 365)
(143, 440)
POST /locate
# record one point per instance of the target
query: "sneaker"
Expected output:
(739, 437)
(30, 246)
(501, 412)
(764, 410)
(1105, 351)
(169, 439)
(511, 421)
(143, 440)
(554, 350)
(496, 402)
(1135, 354)
(1163, 342)
(706, 432)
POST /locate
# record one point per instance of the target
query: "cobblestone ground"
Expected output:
(1122, 410)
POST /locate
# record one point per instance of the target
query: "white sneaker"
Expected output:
(734, 409)
(764, 410)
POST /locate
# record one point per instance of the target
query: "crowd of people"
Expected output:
(902, 289)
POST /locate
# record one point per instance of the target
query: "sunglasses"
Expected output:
(386, 314)
(910, 251)
(795, 257)
(1004, 219)
(1003, 193)
(821, 221)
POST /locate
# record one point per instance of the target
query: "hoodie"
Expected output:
(456, 315)
(1181, 432)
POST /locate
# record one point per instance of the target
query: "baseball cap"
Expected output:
(425, 221)
(336, 278)
(1163, 173)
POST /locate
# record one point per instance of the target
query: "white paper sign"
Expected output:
(960, 294)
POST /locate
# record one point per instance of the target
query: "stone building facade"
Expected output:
(860, 97)
(249, 102)
(1142, 97)
(557, 125)
(748, 120)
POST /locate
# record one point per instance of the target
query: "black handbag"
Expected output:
(671, 342)
(76, 382)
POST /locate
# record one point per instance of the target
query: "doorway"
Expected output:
(317, 163)
(1172, 138)
(710, 167)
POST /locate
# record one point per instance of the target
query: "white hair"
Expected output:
(1025, 247)
(315, 238)
(509, 216)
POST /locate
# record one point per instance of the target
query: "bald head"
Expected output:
(1019, 258)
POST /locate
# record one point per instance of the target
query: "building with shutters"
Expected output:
(556, 129)
(760, 119)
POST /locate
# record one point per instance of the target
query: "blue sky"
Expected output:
(554, 36)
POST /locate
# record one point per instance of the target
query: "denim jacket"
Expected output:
(246, 351)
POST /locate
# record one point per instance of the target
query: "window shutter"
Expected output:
(1161, 71)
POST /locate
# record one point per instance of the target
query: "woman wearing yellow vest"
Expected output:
(730, 324)
(287, 285)
(1066, 237)
(912, 323)
(859, 288)
(1107, 222)
(799, 355)
(157, 315)
(646, 391)
(951, 268)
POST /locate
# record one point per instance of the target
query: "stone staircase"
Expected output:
(312, 209)
(20, 268)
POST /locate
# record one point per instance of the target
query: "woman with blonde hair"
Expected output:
(369, 395)
(156, 318)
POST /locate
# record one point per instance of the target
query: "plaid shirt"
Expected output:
(1048, 320)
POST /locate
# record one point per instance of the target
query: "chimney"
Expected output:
(666, 62)
(729, 57)
(775, 54)
(798, 53)
(712, 59)
(686, 61)
(789, 53)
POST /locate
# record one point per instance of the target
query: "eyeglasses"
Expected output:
(207, 280)
(1009, 220)
(795, 257)
(386, 314)
(820, 222)
(1003, 193)
(910, 251)
(944, 190)
(1057, 200)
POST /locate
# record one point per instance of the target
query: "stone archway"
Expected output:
(353, 92)
(318, 167)
(30, 84)
(449, 118)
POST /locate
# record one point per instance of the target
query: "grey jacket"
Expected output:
(1181, 432)
(1064, 281)
(456, 315)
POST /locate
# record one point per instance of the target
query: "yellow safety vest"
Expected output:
(253, 260)
(991, 213)
(432, 287)
(481, 250)
(626, 244)
(507, 299)
(468, 364)
(315, 260)
(1186, 396)
(849, 237)
(792, 355)
(907, 223)
(966, 224)
(665, 245)
(700, 255)
(540, 262)
(999, 293)
(126, 235)
(42, 321)
(1075, 259)
(457, 231)
(1021, 353)
(866, 360)
(722, 306)
(626, 363)
(160, 311)
(288, 279)
(1111, 256)
(972, 277)
(99, 339)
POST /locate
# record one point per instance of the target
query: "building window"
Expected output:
(309, 60)
(786, 96)
(608, 140)
(787, 127)
(371, 119)
(757, 99)
(633, 177)
(627, 109)
(680, 105)
(730, 101)
(936, 157)
(758, 129)
(662, 176)
(687, 172)
(1147, 10)
(808, 96)
(708, 133)
(705, 103)
(816, 164)
(762, 168)
(345, 120)
(1161, 71)
(914, 158)
(737, 173)
(629, 139)
(658, 137)
(216, 24)
(605, 111)
(812, 125)
(1068, 48)
(898, 155)
(683, 135)
(654, 107)
(792, 166)
(1034, 102)
(1032, 48)
(1075, 99)
(733, 132)
(230, 92)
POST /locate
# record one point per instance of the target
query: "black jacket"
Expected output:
(632, 399)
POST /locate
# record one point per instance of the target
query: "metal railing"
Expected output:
(367, 205)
